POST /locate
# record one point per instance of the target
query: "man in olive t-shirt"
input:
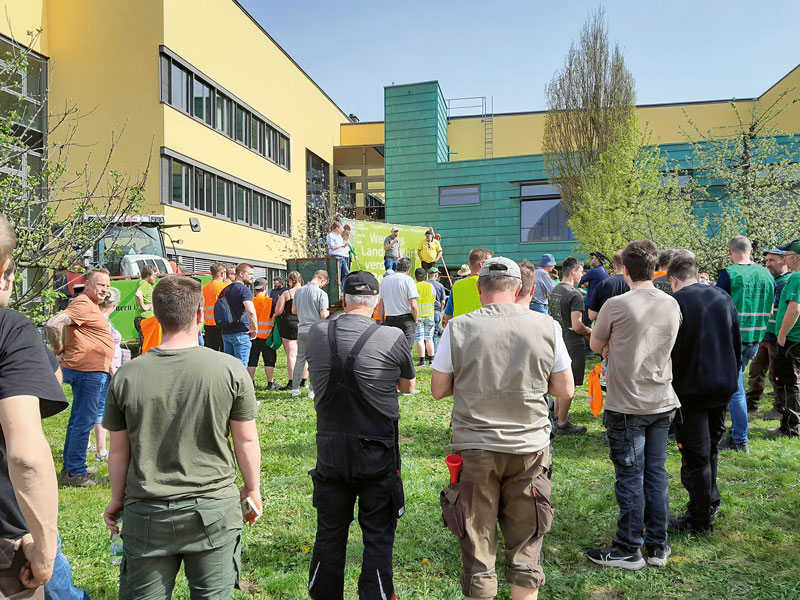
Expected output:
(171, 465)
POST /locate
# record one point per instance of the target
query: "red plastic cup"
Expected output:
(453, 462)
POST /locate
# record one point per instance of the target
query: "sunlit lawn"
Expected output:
(754, 552)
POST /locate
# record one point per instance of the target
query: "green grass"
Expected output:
(754, 552)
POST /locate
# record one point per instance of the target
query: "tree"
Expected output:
(589, 99)
(631, 192)
(746, 180)
(44, 201)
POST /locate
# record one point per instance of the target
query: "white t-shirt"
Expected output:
(396, 291)
(443, 360)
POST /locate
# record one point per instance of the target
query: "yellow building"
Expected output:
(234, 131)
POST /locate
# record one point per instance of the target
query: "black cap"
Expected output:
(361, 283)
(600, 256)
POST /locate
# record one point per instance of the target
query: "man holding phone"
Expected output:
(171, 466)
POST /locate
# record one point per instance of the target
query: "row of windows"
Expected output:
(202, 191)
(186, 91)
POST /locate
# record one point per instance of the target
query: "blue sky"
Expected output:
(509, 49)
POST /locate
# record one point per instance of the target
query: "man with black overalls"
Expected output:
(357, 440)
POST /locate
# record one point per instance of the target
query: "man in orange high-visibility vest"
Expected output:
(211, 290)
(263, 304)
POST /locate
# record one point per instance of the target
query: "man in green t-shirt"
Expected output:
(144, 298)
(787, 358)
(171, 465)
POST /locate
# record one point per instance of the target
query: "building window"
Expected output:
(542, 216)
(202, 96)
(194, 94)
(179, 89)
(459, 194)
(203, 190)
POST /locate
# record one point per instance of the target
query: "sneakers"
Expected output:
(85, 480)
(569, 429)
(772, 415)
(296, 393)
(657, 557)
(779, 432)
(271, 386)
(685, 525)
(286, 387)
(729, 444)
(617, 557)
(101, 456)
(311, 394)
(421, 362)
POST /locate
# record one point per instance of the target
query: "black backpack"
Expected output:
(223, 313)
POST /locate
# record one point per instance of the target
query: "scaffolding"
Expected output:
(466, 107)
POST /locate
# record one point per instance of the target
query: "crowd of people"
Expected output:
(509, 343)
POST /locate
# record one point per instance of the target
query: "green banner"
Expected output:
(122, 317)
(367, 238)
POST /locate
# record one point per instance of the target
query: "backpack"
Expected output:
(223, 314)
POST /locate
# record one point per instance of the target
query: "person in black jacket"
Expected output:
(706, 361)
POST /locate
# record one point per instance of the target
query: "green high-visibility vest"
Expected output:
(427, 297)
(752, 292)
(465, 296)
(772, 326)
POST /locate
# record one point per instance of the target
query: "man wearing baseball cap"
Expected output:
(544, 283)
(787, 356)
(429, 250)
(441, 300)
(594, 276)
(356, 368)
(391, 249)
(774, 259)
(498, 362)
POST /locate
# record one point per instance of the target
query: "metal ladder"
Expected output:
(456, 105)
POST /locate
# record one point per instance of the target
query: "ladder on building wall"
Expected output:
(466, 107)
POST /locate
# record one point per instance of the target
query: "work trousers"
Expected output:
(334, 501)
(406, 324)
(638, 449)
(213, 338)
(202, 533)
(761, 367)
(698, 431)
(787, 373)
(300, 361)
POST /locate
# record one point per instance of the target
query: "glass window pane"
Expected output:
(202, 101)
(223, 122)
(199, 190)
(240, 204)
(240, 125)
(283, 158)
(180, 183)
(179, 88)
(165, 78)
(462, 194)
(544, 220)
(208, 183)
(222, 197)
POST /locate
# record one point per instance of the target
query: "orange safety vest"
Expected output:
(211, 292)
(263, 308)
(151, 333)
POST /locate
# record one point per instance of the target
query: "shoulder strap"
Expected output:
(363, 339)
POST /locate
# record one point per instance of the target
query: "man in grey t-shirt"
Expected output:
(636, 331)
(357, 448)
(391, 249)
(398, 303)
(311, 306)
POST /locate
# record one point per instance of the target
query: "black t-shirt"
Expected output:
(237, 294)
(275, 294)
(562, 302)
(608, 288)
(662, 283)
(26, 371)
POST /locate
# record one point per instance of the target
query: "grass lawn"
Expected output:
(754, 552)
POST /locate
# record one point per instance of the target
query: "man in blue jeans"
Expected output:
(391, 249)
(640, 406)
(80, 334)
(339, 249)
(237, 337)
(752, 289)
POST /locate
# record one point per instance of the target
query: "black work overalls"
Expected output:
(357, 457)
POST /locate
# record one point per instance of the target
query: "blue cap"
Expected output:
(547, 260)
(776, 251)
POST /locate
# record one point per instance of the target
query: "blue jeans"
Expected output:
(390, 263)
(344, 269)
(638, 449)
(740, 428)
(437, 326)
(540, 308)
(60, 586)
(238, 345)
(88, 393)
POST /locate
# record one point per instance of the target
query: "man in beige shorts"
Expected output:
(498, 363)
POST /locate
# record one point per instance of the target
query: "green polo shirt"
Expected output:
(147, 295)
(790, 293)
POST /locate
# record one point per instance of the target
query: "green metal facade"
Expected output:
(417, 165)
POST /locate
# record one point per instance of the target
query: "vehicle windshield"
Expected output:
(121, 241)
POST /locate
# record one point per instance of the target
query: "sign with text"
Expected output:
(367, 239)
